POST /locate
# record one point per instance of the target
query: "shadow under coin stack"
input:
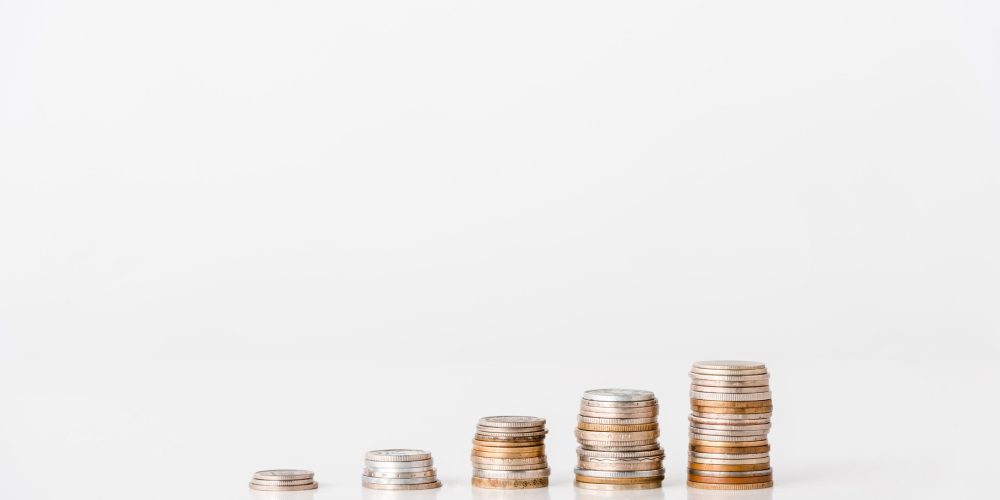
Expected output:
(508, 452)
(729, 422)
(283, 480)
(399, 470)
(618, 436)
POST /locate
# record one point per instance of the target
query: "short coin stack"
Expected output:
(730, 419)
(508, 452)
(618, 436)
(283, 480)
(399, 470)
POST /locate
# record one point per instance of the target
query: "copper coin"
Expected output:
(729, 480)
(729, 468)
(729, 450)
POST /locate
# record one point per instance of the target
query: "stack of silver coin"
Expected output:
(283, 480)
(730, 420)
(619, 441)
(399, 469)
(508, 452)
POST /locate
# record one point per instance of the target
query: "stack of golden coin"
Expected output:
(619, 441)
(729, 422)
(399, 469)
(508, 452)
(283, 480)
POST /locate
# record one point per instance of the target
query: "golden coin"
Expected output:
(489, 454)
(728, 468)
(731, 404)
(510, 484)
(727, 444)
(616, 428)
(751, 486)
(508, 444)
(730, 451)
(729, 480)
(719, 409)
(618, 480)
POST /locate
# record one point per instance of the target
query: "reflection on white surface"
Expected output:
(370, 494)
(497, 494)
(653, 494)
(282, 495)
(700, 494)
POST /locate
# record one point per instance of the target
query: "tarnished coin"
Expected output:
(300, 487)
(511, 421)
(397, 455)
(283, 474)
(518, 484)
(424, 486)
(511, 474)
(618, 487)
(619, 474)
(753, 486)
(618, 395)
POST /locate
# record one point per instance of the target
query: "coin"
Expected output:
(729, 480)
(616, 428)
(730, 450)
(397, 455)
(713, 437)
(583, 435)
(616, 421)
(481, 466)
(300, 487)
(480, 461)
(700, 410)
(508, 444)
(732, 404)
(655, 452)
(647, 414)
(619, 474)
(721, 432)
(396, 480)
(730, 390)
(715, 473)
(722, 456)
(734, 468)
(752, 486)
(618, 404)
(731, 378)
(728, 364)
(623, 465)
(727, 444)
(424, 486)
(728, 371)
(757, 417)
(650, 444)
(618, 395)
(512, 421)
(399, 465)
(729, 383)
(740, 426)
(714, 396)
(618, 487)
(481, 482)
(527, 454)
(290, 482)
(400, 475)
(283, 474)
(617, 480)
(512, 474)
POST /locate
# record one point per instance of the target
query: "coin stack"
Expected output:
(399, 470)
(283, 480)
(618, 436)
(509, 453)
(730, 419)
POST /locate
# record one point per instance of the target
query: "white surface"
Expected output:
(243, 235)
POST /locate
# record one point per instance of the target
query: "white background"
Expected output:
(245, 235)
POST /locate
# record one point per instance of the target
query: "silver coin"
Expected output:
(616, 421)
(618, 395)
(728, 456)
(713, 396)
(728, 364)
(386, 480)
(416, 464)
(611, 488)
(618, 474)
(741, 461)
(729, 383)
(283, 474)
(625, 410)
(298, 487)
(620, 446)
(760, 377)
(730, 427)
(708, 437)
(618, 466)
(482, 461)
(619, 404)
(616, 436)
(509, 431)
(653, 452)
(535, 466)
(430, 472)
(289, 482)
(732, 416)
(731, 390)
(620, 416)
(712, 371)
(715, 473)
(512, 421)
(397, 455)
(511, 474)
(724, 422)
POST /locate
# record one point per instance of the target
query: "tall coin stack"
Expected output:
(509, 453)
(399, 470)
(618, 436)
(283, 480)
(730, 419)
